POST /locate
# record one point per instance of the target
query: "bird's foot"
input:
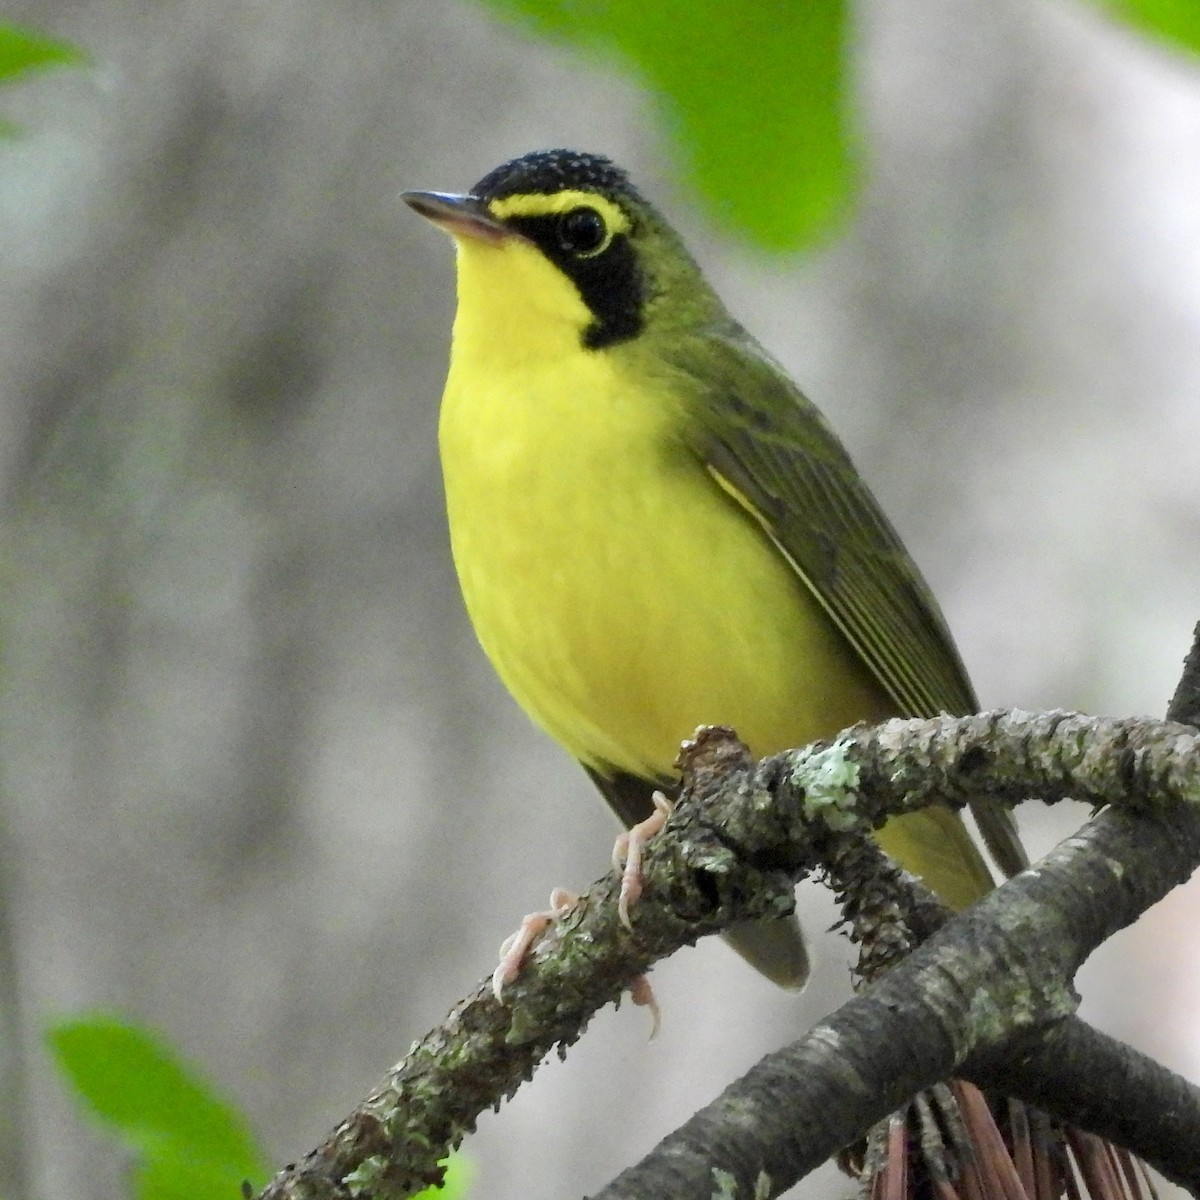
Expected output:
(517, 945)
(627, 855)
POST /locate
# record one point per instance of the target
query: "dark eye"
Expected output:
(581, 231)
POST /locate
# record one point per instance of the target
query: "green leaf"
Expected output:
(458, 1176)
(23, 50)
(171, 1175)
(188, 1140)
(755, 93)
(1177, 21)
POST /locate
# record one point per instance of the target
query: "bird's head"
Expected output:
(558, 249)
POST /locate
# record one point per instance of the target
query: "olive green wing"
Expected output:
(767, 445)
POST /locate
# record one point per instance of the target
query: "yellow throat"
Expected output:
(622, 597)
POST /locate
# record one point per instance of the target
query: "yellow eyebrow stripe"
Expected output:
(540, 204)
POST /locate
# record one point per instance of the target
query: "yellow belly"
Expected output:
(622, 596)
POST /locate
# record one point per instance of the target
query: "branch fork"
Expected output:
(987, 997)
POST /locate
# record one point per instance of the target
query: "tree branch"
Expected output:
(1185, 703)
(731, 851)
(1102, 1085)
(976, 999)
(391, 1145)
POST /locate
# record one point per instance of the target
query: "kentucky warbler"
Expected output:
(654, 529)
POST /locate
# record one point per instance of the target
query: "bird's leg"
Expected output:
(627, 855)
(517, 945)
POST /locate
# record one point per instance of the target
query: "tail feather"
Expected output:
(774, 946)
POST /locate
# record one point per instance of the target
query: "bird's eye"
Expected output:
(582, 231)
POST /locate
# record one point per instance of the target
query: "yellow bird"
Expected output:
(654, 529)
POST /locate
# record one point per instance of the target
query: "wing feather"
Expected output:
(768, 446)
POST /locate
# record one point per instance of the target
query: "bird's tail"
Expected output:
(775, 946)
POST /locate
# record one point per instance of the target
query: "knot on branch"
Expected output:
(728, 858)
(778, 814)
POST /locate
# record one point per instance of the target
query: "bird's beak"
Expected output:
(459, 216)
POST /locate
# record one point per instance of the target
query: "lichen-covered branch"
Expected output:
(391, 1145)
(980, 998)
(1095, 1082)
(739, 837)
(868, 774)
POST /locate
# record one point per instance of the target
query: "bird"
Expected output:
(654, 529)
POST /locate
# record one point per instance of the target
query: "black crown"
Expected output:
(545, 172)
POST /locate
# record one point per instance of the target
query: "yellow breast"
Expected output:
(621, 595)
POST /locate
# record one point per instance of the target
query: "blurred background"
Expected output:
(260, 788)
